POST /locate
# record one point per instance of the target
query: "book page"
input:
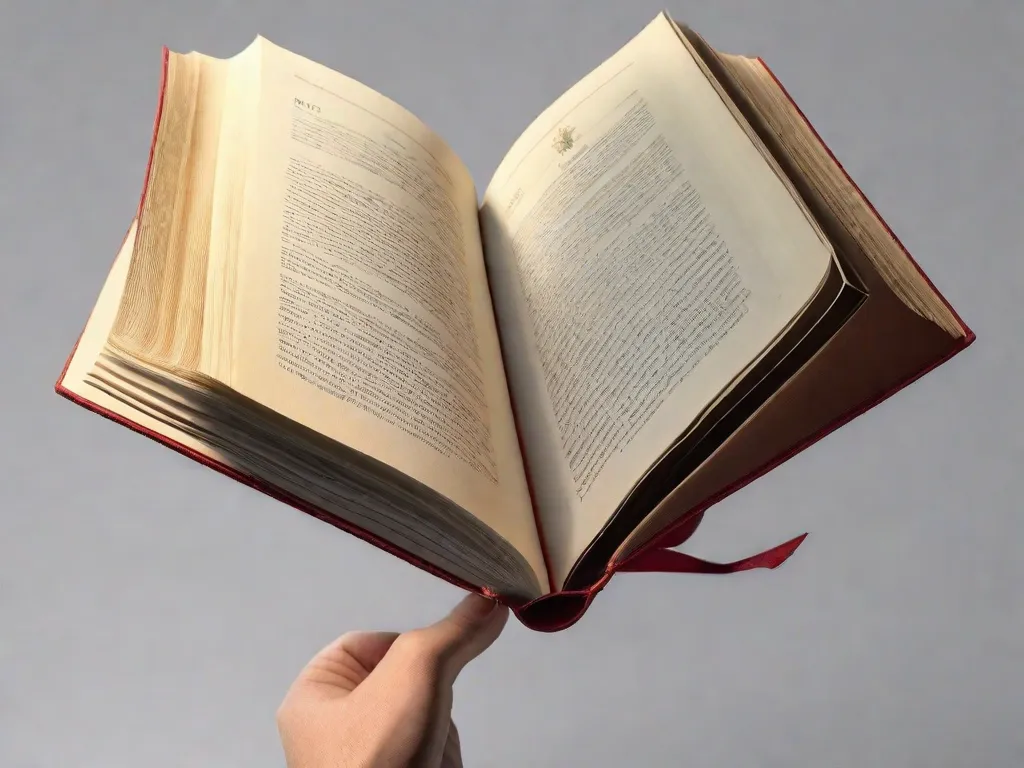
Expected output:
(642, 253)
(94, 379)
(90, 346)
(363, 310)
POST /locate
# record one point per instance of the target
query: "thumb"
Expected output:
(470, 629)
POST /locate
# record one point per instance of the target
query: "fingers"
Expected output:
(443, 649)
(345, 663)
(470, 629)
(457, 639)
(367, 648)
(389, 695)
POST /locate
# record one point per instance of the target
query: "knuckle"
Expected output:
(412, 644)
(419, 651)
(287, 713)
(346, 639)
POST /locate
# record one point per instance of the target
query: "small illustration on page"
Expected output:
(565, 139)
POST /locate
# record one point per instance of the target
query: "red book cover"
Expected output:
(558, 610)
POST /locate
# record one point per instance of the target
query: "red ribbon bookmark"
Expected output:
(671, 561)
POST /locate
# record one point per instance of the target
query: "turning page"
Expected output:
(642, 253)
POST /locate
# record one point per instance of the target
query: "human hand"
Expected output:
(383, 699)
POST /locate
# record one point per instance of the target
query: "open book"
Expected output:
(669, 286)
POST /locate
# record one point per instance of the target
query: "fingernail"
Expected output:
(475, 607)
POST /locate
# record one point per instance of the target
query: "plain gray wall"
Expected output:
(152, 613)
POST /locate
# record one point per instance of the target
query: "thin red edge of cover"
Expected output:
(561, 609)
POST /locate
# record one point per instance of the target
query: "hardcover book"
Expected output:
(668, 287)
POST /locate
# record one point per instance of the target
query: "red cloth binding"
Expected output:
(671, 561)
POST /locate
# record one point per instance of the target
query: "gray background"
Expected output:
(152, 613)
